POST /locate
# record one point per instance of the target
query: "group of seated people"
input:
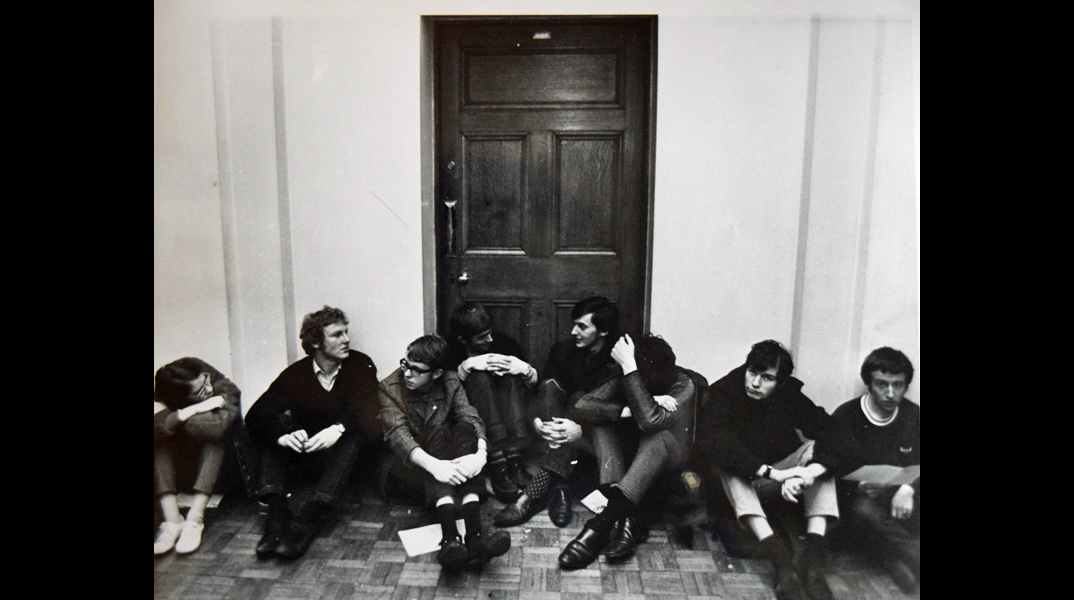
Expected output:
(457, 414)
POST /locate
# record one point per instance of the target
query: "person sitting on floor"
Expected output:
(312, 421)
(886, 429)
(659, 398)
(748, 429)
(574, 366)
(194, 406)
(430, 424)
(496, 378)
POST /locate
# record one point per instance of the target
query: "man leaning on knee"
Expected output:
(748, 430)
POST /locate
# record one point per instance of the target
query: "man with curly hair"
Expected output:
(312, 421)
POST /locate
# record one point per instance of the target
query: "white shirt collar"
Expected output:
(869, 414)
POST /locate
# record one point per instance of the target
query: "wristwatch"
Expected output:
(767, 471)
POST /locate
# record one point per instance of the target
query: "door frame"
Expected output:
(428, 150)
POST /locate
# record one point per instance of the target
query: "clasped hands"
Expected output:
(794, 481)
(300, 442)
(497, 364)
(558, 431)
(458, 470)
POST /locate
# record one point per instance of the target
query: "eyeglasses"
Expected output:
(206, 388)
(408, 367)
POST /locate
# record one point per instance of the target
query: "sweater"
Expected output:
(210, 426)
(352, 401)
(740, 434)
(578, 369)
(898, 443)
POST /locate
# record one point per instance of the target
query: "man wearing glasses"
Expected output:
(430, 425)
(311, 421)
(194, 407)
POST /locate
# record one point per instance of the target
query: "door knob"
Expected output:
(465, 277)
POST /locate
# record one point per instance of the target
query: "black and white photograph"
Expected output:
(546, 300)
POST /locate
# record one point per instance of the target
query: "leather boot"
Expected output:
(503, 487)
(583, 549)
(788, 584)
(481, 547)
(453, 553)
(517, 471)
(279, 519)
(514, 514)
(625, 537)
(559, 508)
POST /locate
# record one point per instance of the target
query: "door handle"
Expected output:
(464, 278)
(450, 204)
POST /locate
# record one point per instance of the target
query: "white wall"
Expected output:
(785, 161)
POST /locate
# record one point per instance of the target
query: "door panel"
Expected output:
(543, 163)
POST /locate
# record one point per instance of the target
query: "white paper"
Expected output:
(423, 540)
(595, 501)
(185, 500)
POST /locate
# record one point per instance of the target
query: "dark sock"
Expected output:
(313, 510)
(815, 553)
(277, 507)
(539, 485)
(447, 514)
(619, 506)
(777, 553)
(471, 514)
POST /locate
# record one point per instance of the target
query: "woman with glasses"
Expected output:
(194, 406)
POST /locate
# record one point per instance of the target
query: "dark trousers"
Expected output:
(553, 402)
(500, 400)
(281, 467)
(870, 524)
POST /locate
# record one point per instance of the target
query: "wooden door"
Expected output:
(544, 169)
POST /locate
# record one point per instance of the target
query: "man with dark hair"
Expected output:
(656, 397)
(194, 406)
(312, 421)
(496, 376)
(431, 426)
(886, 430)
(748, 431)
(574, 366)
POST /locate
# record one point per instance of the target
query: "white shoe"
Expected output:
(169, 532)
(190, 538)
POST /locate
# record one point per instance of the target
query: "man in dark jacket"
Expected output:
(312, 420)
(886, 430)
(747, 430)
(655, 400)
(574, 366)
(497, 378)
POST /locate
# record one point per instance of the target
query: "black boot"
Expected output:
(302, 530)
(517, 471)
(814, 558)
(503, 486)
(483, 546)
(559, 508)
(516, 513)
(279, 518)
(788, 584)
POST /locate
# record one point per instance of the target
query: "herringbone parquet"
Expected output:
(359, 556)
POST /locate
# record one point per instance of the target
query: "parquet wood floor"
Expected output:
(359, 556)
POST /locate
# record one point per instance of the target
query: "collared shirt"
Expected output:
(326, 379)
